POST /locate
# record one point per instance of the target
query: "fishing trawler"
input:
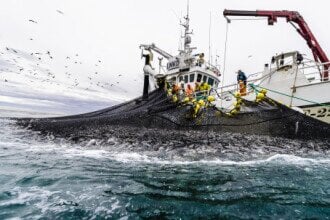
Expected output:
(258, 110)
(184, 69)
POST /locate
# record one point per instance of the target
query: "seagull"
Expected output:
(31, 38)
(119, 74)
(48, 52)
(60, 12)
(67, 57)
(99, 61)
(249, 56)
(6, 80)
(33, 21)
(7, 48)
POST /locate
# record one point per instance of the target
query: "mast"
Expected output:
(187, 33)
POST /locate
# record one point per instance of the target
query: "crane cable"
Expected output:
(224, 60)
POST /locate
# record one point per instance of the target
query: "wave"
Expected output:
(145, 157)
(274, 159)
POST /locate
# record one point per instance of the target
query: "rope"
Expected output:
(253, 87)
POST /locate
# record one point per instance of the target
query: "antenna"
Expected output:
(187, 9)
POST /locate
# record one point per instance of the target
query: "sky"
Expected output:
(103, 37)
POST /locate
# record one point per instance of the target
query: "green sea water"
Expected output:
(42, 178)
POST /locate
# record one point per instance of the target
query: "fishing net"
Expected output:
(266, 117)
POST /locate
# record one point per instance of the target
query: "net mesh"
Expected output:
(266, 117)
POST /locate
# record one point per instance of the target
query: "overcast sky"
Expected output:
(112, 31)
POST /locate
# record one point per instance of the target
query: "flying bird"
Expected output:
(60, 12)
(33, 21)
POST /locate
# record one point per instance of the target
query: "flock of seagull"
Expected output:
(35, 71)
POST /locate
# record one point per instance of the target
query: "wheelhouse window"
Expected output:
(186, 79)
(191, 77)
(180, 78)
(210, 81)
(204, 78)
(199, 77)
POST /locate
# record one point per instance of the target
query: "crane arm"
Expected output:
(302, 29)
(156, 49)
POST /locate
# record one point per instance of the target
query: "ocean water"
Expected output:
(42, 177)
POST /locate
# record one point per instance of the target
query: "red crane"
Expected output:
(302, 29)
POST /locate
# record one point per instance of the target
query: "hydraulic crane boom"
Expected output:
(302, 29)
(156, 49)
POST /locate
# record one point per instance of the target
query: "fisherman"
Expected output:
(241, 76)
(241, 80)
(204, 91)
(189, 91)
(200, 60)
(205, 87)
(175, 89)
(176, 92)
(197, 87)
(148, 72)
(182, 90)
